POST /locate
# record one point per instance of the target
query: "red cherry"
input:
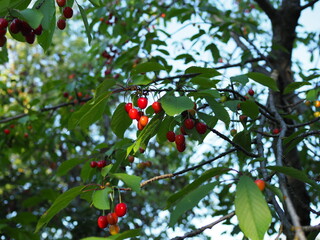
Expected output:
(107, 72)
(3, 41)
(243, 118)
(183, 131)
(142, 102)
(12, 126)
(114, 229)
(142, 150)
(6, 131)
(26, 135)
(102, 222)
(112, 218)
(93, 164)
(127, 107)
(3, 23)
(131, 159)
(68, 12)
(30, 37)
(180, 139)
(139, 126)
(181, 147)
(189, 123)
(201, 128)
(276, 131)
(120, 209)
(101, 163)
(61, 24)
(25, 28)
(143, 121)
(260, 183)
(61, 3)
(171, 136)
(251, 92)
(233, 132)
(15, 26)
(38, 30)
(133, 113)
(156, 107)
(66, 94)
(3, 32)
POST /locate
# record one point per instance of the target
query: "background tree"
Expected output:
(64, 110)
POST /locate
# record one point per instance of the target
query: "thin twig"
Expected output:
(310, 4)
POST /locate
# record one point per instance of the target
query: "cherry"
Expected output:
(127, 107)
(133, 113)
(26, 135)
(201, 128)
(25, 28)
(141, 166)
(139, 126)
(317, 103)
(142, 102)
(307, 103)
(114, 229)
(143, 121)
(131, 159)
(12, 126)
(79, 94)
(142, 150)
(30, 37)
(180, 140)
(233, 132)
(3, 41)
(148, 164)
(171, 136)
(6, 131)
(189, 123)
(260, 183)
(93, 164)
(107, 72)
(61, 24)
(3, 31)
(156, 107)
(67, 12)
(112, 218)
(3, 23)
(181, 147)
(15, 26)
(276, 131)
(251, 92)
(61, 3)
(38, 30)
(243, 118)
(183, 131)
(120, 209)
(101, 163)
(102, 222)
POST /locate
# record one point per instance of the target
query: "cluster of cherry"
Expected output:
(67, 12)
(111, 219)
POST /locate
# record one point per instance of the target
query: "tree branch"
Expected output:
(200, 230)
(267, 7)
(310, 4)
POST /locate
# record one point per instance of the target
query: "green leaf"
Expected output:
(124, 235)
(60, 203)
(120, 121)
(243, 138)
(103, 87)
(166, 125)
(106, 170)
(210, 71)
(147, 67)
(48, 10)
(207, 175)
(219, 111)
(3, 55)
(66, 166)
(175, 105)
(95, 3)
(251, 209)
(85, 22)
(203, 81)
(86, 172)
(31, 16)
(242, 79)
(250, 109)
(189, 201)
(100, 199)
(89, 112)
(293, 86)
(295, 173)
(130, 180)
(214, 51)
(264, 80)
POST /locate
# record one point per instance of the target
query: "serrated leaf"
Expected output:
(207, 175)
(60, 203)
(66, 166)
(264, 80)
(250, 109)
(210, 71)
(100, 199)
(120, 121)
(295, 173)
(85, 22)
(175, 105)
(124, 235)
(251, 209)
(189, 201)
(147, 67)
(89, 112)
(131, 181)
(31, 16)
(294, 86)
(219, 111)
